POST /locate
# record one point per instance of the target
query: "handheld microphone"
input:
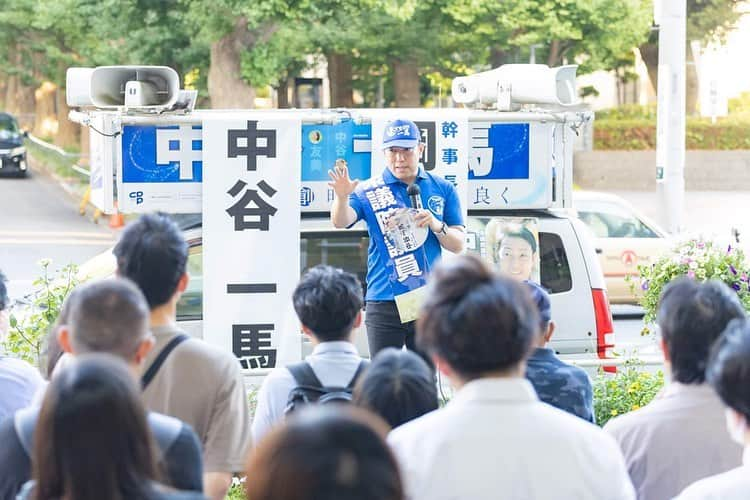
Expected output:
(414, 196)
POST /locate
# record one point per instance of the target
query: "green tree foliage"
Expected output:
(274, 38)
(594, 33)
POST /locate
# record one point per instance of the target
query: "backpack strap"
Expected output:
(304, 375)
(24, 422)
(165, 430)
(363, 364)
(151, 372)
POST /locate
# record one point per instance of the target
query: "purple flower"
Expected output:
(736, 286)
(700, 244)
(729, 249)
(732, 269)
(691, 274)
(644, 285)
(744, 277)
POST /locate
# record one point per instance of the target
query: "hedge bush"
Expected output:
(640, 133)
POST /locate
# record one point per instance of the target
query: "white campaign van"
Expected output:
(161, 154)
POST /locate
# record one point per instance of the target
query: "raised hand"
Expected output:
(341, 184)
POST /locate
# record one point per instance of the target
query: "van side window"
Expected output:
(554, 268)
(347, 250)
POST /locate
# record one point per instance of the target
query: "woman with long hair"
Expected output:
(92, 440)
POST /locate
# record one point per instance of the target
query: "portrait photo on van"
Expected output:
(513, 246)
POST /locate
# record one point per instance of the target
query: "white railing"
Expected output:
(634, 361)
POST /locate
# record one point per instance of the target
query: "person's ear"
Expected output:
(143, 349)
(442, 366)
(357, 320)
(63, 338)
(664, 349)
(183, 283)
(550, 331)
(307, 331)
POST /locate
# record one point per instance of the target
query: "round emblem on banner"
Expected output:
(436, 204)
(315, 136)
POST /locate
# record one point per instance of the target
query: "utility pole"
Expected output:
(671, 16)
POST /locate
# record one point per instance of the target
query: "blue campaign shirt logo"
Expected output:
(500, 151)
(436, 204)
(152, 154)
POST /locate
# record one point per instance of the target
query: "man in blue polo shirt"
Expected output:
(392, 273)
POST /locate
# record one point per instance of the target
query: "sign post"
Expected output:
(670, 15)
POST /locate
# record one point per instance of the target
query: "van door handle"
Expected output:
(599, 250)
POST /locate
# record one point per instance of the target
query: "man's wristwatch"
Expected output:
(442, 229)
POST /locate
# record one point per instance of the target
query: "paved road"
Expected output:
(39, 220)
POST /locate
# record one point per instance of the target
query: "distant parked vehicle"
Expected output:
(12, 151)
(625, 239)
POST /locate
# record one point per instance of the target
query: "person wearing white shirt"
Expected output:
(495, 439)
(328, 302)
(680, 437)
(729, 374)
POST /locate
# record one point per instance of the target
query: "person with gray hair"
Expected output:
(109, 317)
(19, 381)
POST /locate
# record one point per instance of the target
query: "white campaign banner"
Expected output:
(251, 236)
(445, 133)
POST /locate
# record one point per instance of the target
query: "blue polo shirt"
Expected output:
(438, 196)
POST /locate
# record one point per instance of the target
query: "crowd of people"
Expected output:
(515, 428)
(131, 407)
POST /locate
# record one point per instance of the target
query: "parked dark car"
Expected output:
(12, 151)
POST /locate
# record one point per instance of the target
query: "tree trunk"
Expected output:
(498, 56)
(650, 55)
(340, 80)
(67, 131)
(406, 83)
(691, 83)
(282, 94)
(9, 103)
(555, 54)
(226, 87)
(45, 117)
(24, 105)
(19, 97)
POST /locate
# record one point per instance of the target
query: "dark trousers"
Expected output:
(384, 329)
